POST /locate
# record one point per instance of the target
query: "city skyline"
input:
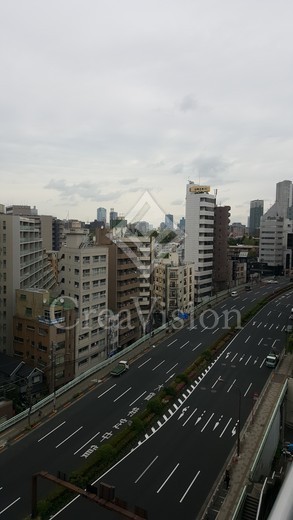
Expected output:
(102, 102)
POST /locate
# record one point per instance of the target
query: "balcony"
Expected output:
(49, 321)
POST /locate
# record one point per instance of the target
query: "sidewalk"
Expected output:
(224, 502)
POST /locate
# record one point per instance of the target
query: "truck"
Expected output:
(272, 360)
(120, 368)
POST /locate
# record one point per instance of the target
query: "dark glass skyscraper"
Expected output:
(256, 212)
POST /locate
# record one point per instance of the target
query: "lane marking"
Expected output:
(196, 347)
(234, 357)
(137, 398)
(121, 395)
(86, 443)
(260, 341)
(191, 483)
(10, 505)
(51, 431)
(169, 476)
(101, 395)
(139, 366)
(141, 475)
(226, 427)
(248, 360)
(184, 344)
(189, 417)
(69, 437)
(171, 368)
(231, 386)
(247, 390)
(159, 365)
(203, 428)
(247, 339)
(172, 342)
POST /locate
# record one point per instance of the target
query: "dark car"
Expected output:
(248, 287)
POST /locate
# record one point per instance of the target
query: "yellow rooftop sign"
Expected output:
(195, 188)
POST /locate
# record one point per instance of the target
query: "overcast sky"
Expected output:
(103, 101)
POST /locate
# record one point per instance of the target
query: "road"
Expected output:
(70, 437)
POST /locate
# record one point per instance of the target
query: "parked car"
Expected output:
(248, 287)
(234, 293)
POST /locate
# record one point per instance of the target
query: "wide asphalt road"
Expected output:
(70, 436)
(172, 470)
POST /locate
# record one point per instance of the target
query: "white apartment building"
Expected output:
(83, 277)
(199, 237)
(23, 264)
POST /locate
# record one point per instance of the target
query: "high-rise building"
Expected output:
(169, 221)
(275, 247)
(113, 217)
(23, 264)
(102, 215)
(199, 237)
(256, 212)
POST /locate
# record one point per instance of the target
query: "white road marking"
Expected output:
(137, 398)
(121, 395)
(191, 483)
(171, 368)
(189, 417)
(10, 505)
(142, 474)
(234, 357)
(69, 437)
(170, 377)
(260, 341)
(139, 366)
(248, 360)
(231, 386)
(259, 324)
(247, 339)
(216, 330)
(184, 344)
(159, 365)
(172, 342)
(217, 423)
(51, 431)
(226, 427)
(204, 427)
(169, 476)
(248, 389)
(86, 443)
(196, 347)
(101, 395)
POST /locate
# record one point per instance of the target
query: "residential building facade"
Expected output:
(83, 279)
(23, 264)
(199, 237)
